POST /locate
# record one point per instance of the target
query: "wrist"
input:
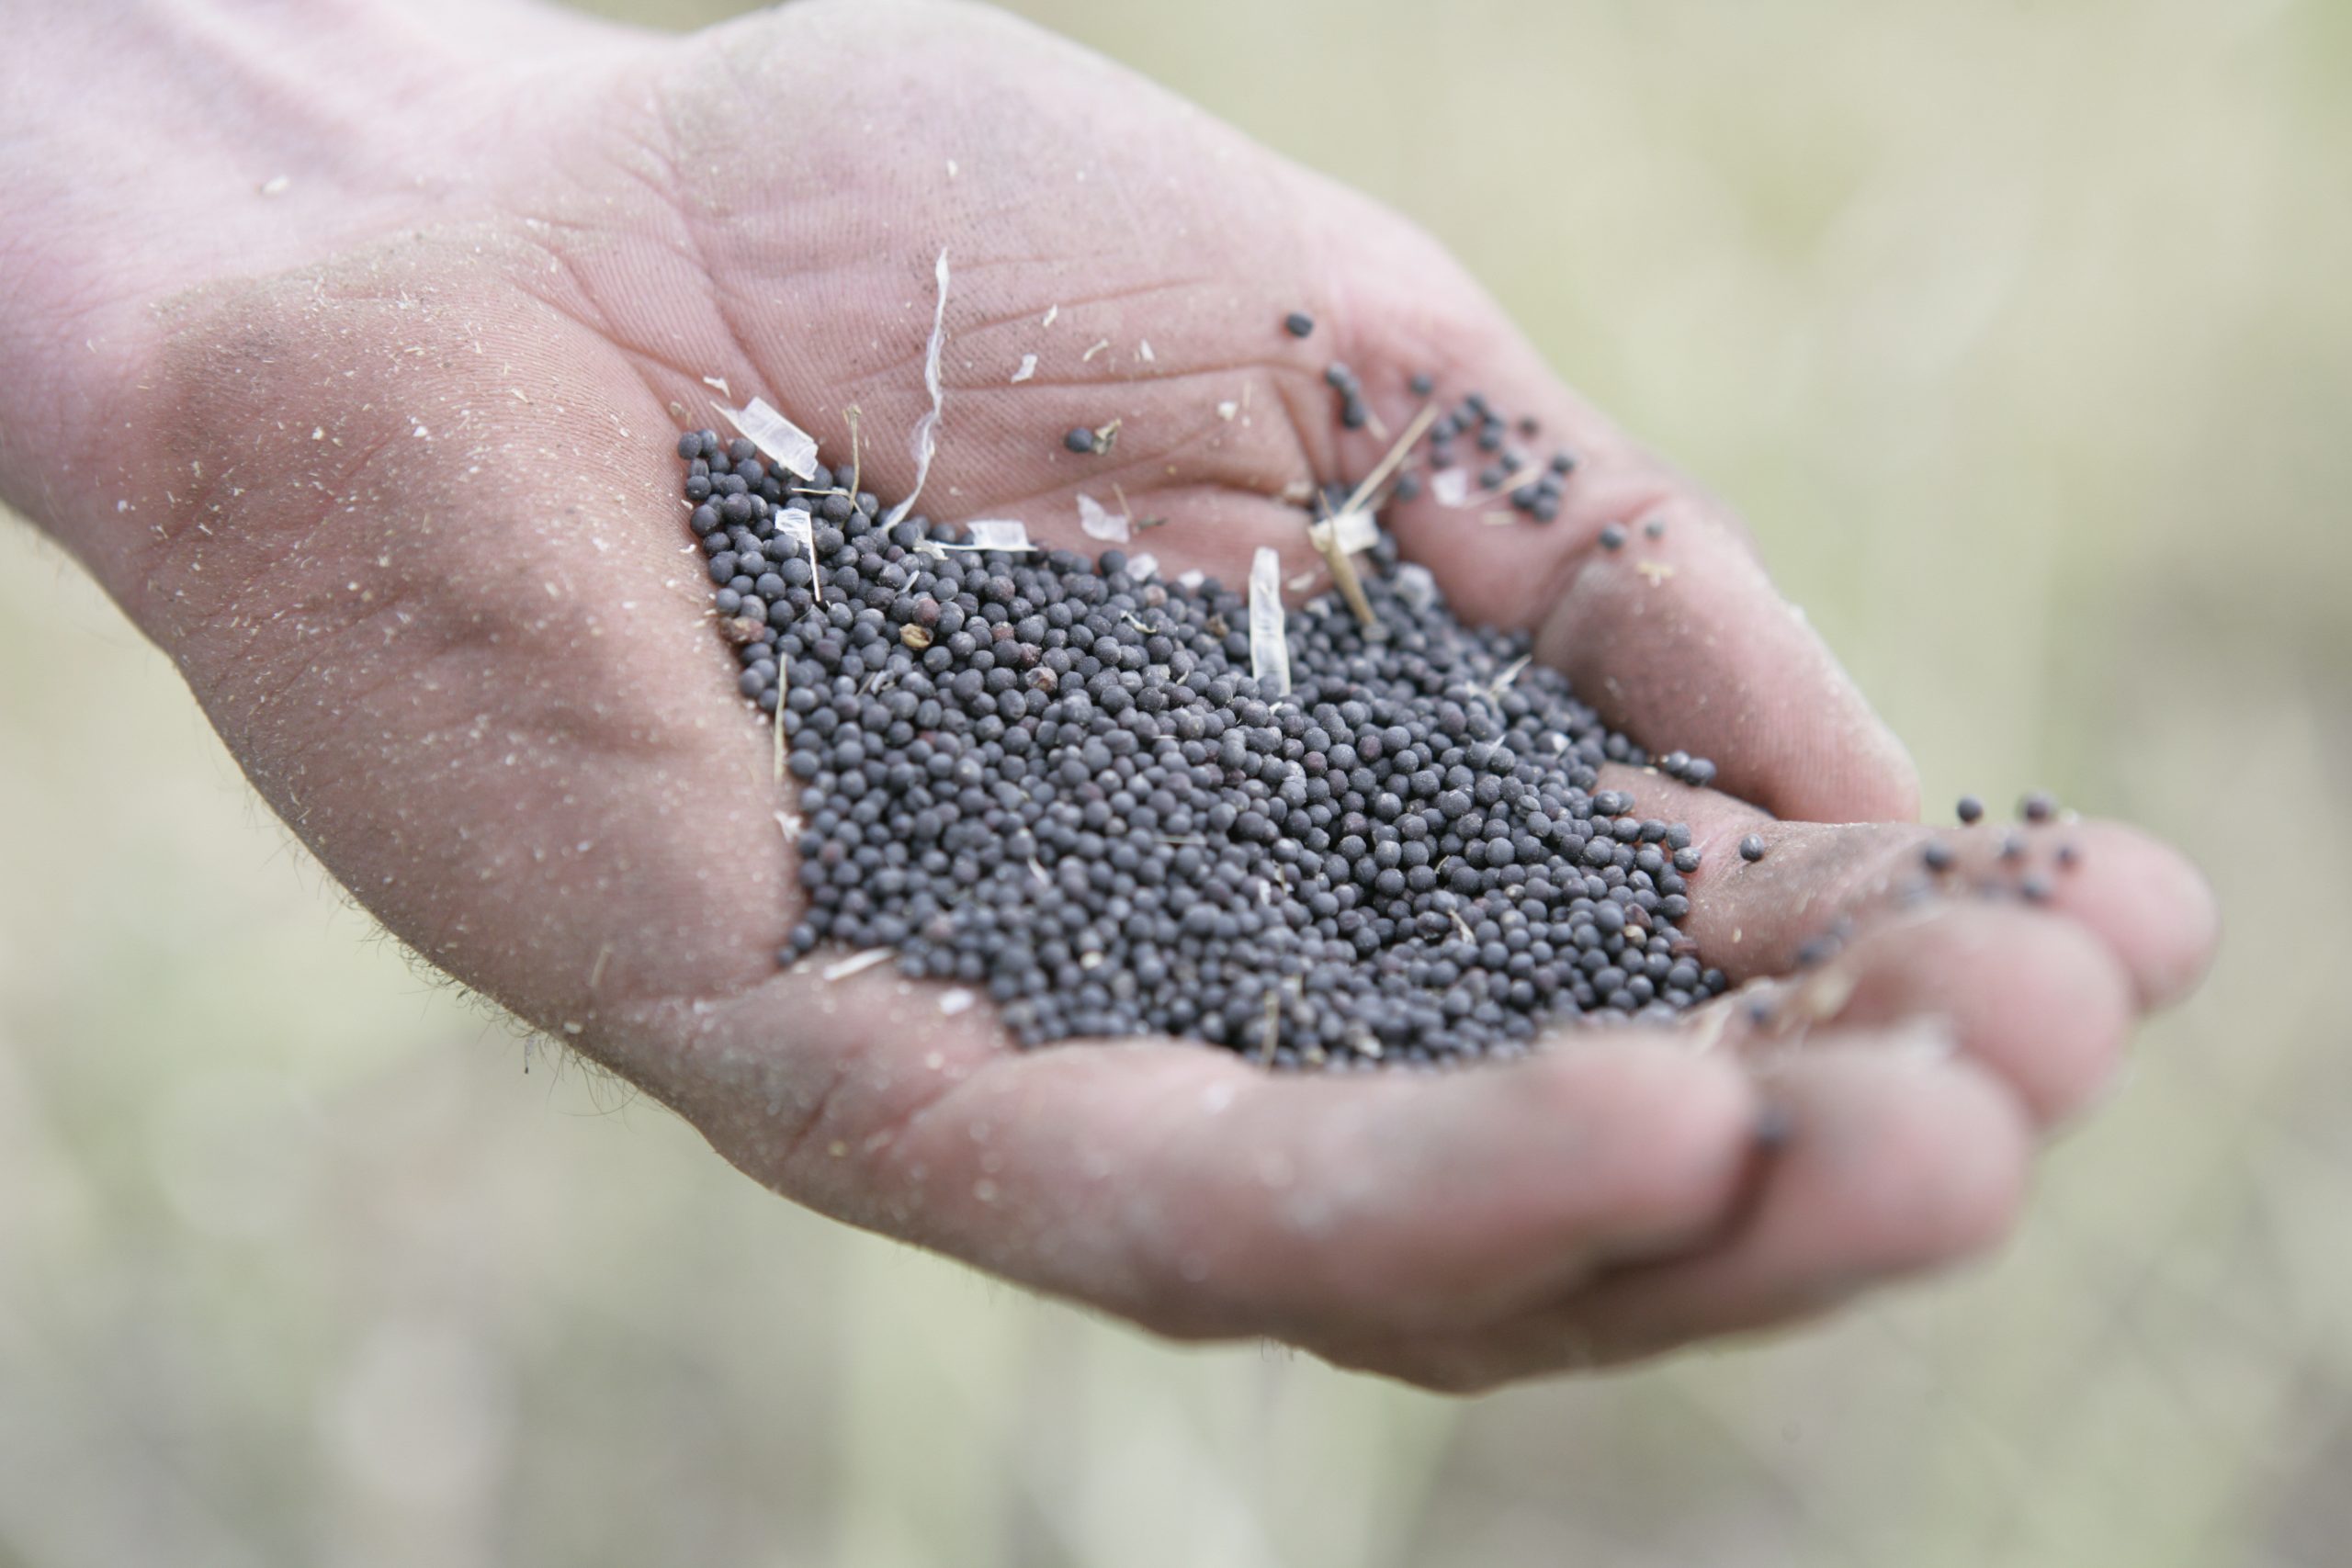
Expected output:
(164, 147)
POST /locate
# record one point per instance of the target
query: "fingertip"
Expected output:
(2149, 902)
(1922, 1155)
(2034, 996)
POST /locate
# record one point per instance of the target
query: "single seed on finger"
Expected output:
(1751, 848)
(1299, 323)
(1970, 809)
(2038, 807)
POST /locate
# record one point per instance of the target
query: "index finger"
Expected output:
(1644, 589)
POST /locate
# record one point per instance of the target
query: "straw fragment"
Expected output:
(925, 441)
(1268, 652)
(857, 964)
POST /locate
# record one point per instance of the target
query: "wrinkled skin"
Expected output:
(392, 451)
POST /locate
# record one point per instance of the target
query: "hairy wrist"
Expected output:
(149, 149)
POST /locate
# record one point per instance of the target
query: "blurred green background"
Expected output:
(2024, 335)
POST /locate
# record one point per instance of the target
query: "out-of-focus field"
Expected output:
(2024, 336)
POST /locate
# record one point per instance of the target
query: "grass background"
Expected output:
(2023, 336)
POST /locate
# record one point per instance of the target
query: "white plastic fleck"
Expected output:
(1191, 579)
(1451, 487)
(925, 441)
(995, 533)
(1227, 409)
(1269, 653)
(785, 443)
(956, 1002)
(1100, 522)
(1028, 368)
(796, 526)
(1142, 567)
(1414, 585)
(1355, 531)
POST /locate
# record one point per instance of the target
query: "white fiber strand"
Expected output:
(926, 436)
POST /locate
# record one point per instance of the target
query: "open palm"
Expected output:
(423, 561)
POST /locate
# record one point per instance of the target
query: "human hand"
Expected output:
(396, 492)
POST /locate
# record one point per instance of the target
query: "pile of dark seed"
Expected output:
(1046, 777)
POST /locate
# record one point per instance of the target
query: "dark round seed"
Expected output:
(1079, 439)
(1299, 323)
(1972, 810)
(2037, 807)
(1751, 848)
(1936, 855)
(1612, 537)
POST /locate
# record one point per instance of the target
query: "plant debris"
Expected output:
(1096, 521)
(1269, 648)
(925, 440)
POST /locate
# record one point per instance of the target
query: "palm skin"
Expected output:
(413, 534)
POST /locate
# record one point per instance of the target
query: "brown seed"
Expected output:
(914, 637)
